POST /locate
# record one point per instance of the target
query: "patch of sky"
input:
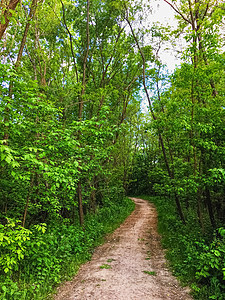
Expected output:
(168, 52)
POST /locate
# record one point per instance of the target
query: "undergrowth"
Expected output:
(34, 261)
(197, 258)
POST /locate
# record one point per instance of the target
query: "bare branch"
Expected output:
(177, 11)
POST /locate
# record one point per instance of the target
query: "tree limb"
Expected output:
(71, 40)
(7, 15)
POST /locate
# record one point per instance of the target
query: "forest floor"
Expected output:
(131, 265)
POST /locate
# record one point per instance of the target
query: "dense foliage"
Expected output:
(196, 258)
(33, 261)
(69, 79)
(73, 140)
(181, 150)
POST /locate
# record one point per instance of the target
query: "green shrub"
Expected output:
(211, 266)
(196, 259)
(39, 258)
(13, 247)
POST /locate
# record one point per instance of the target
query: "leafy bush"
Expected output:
(211, 266)
(37, 259)
(13, 238)
(196, 258)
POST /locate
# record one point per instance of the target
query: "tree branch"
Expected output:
(71, 40)
(7, 15)
(177, 11)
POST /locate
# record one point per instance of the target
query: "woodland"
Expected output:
(75, 140)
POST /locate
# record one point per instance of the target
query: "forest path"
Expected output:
(132, 249)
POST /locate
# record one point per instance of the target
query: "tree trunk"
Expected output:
(209, 206)
(30, 17)
(80, 204)
(22, 45)
(7, 15)
(28, 200)
(93, 195)
(81, 103)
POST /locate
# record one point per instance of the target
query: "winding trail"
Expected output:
(129, 266)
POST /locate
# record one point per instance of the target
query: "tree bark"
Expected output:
(209, 206)
(80, 203)
(81, 103)
(71, 41)
(7, 15)
(28, 200)
(22, 45)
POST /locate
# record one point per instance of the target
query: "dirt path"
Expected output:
(116, 271)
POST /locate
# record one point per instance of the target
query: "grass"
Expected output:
(110, 260)
(105, 266)
(150, 273)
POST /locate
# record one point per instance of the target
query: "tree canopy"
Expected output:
(74, 139)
